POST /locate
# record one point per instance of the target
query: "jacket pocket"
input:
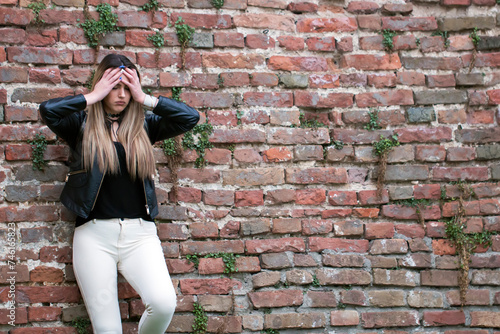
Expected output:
(77, 178)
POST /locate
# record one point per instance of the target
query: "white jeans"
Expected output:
(104, 247)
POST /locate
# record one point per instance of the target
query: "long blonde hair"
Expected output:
(97, 141)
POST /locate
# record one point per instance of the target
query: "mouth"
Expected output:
(120, 103)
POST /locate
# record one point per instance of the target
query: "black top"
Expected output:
(119, 196)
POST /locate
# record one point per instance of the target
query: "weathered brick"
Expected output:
(394, 277)
(295, 320)
(321, 25)
(423, 298)
(275, 245)
(371, 62)
(465, 23)
(328, 276)
(390, 319)
(444, 318)
(438, 278)
(276, 298)
(344, 318)
(386, 298)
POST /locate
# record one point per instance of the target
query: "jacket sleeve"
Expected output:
(170, 118)
(62, 118)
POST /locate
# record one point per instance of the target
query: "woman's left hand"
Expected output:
(131, 79)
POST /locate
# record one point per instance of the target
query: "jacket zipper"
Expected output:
(98, 190)
(145, 196)
(73, 173)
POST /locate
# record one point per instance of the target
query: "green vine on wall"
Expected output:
(200, 320)
(82, 325)
(445, 36)
(217, 3)
(475, 40)
(158, 42)
(387, 40)
(382, 149)
(373, 123)
(37, 7)
(418, 204)
(229, 260)
(185, 35)
(95, 30)
(197, 139)
(465, 243)
(38, 147)
(152, 5)
(310, 123)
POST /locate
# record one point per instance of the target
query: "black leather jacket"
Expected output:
(65, 117)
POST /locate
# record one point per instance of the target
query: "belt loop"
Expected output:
(93, 221)
(140, 220)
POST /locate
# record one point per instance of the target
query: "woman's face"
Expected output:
(117, 99)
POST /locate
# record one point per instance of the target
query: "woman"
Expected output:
(110, 188)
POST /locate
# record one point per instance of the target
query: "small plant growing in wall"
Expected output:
(158, 42)
(38, 147)
(387, 40)
(36, 8)
(418, 204)
(310, 123)
(445, 36)
(152, 5)
(82, 325)
(465, 243)
(373, 123)
(382, 149)
(217, 3)
(475, 40)
(200, 320)
(197, 139)
(185, 35)
(95, 30)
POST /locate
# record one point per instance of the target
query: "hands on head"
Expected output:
(110, 78)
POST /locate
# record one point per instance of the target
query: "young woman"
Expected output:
(110, 188)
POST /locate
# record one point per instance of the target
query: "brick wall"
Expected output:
(295, 208)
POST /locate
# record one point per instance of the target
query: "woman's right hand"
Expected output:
(109, 79)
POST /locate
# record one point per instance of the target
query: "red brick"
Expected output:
(460, 154)
(235, 79)
(316, 175)
(385, 98)
(45, 37)
(409, 78)
(206, 247)
(439, 278)
(317, 244)
(48, 294)
(409, 23)
(275, 245)
(249, 198)
(214, 286)
(423, 135)
(371, 62)
(44, 313)
(255, 41)
(443, 80)
(322, 25)
(227, 39)
(342, 198)
(444, 318)
(302, 7)
(268, 99)
(485, 319)
(314, 100)
(276, 298)
(390, 319)
(291, 43)
(14, 16)
(264, 79)
(344, 318)
(321, 44)
(314, 64)
(379, 230)
(463, 174)
(362, 7)
(315, 226)
(264, 21)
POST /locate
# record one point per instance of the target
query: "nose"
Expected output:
(121, 91)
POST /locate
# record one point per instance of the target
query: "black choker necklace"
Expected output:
(113, 115)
